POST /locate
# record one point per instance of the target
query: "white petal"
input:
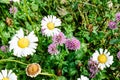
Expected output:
(101, 66)
(32, 37)
(95, 56)
(105, 51)
(101, 51)
(108, 54)
(20, 33)
(1, 76)
(78, 79)
(10, 71)
(13, 76)
(4, 73)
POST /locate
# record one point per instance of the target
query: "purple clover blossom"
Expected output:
(4, 48)
(13, 10)
(52, 49)
(59, 39)
(72, 44)
(112, 25)
(93, 68)
(118, 55)
(117, 16)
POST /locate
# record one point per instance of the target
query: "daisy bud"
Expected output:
(33, 70)
(8, 21)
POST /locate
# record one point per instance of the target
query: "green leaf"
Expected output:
(2, 26)
(62, 78)
(5, 1)
(72, 71)
(114, 41)
(34, 7)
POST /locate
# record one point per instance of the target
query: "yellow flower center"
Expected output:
(102, 58)
(6, 78)
(23, 42)
(33, 69)
(50, 26)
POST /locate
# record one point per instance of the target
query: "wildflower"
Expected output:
(72, 44)
(112, 25)
(7, 75)
(103, 58)
(93, 68)
(118, 55)
(8, 21)
(33, 70)
(4, 48)
(59, 39)
(13, 10)
(15, 1)
(49, 25)
(83, 78)
(117, 16)
(23, 45)
(110, 4)
(62, 11)
(63, 1)
(52, 49)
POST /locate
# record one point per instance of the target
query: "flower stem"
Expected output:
(8, 60)
(25, 9)
(47, 74)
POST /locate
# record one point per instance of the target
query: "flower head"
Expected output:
(72, 44)
(4, 48)
(117, 16)
(103, 58)
(110, 4)
(93, 68)
(33, 70)
(118, 55)
(9, 21)
(83, 78)
(52, 49)
(7, 75)
(23, 45)
(15, 1)
(112, 25)
(49, 25)
(59, 39)
(13, 10)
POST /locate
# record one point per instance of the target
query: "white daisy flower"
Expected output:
(23, 45)
(7, 75)
(83, 78)
(49, 25)
(103, 58)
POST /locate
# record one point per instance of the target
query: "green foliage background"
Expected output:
(87, 20)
